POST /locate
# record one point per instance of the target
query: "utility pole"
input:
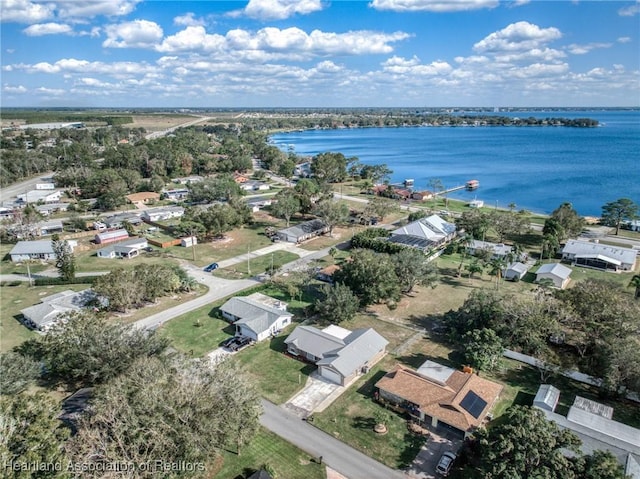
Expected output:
(248, 259)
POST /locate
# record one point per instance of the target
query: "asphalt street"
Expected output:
(336, 454)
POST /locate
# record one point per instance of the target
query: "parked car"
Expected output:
(148, 249)
(239, 343)
(211, 267)
(227, 342)
(445, 463)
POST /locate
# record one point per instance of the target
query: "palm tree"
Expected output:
(474, 268)
(464, 244)
(635, 283)
(497, 265)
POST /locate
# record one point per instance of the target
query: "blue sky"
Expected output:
(319, 53)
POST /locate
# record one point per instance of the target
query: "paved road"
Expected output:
(11, 191)
(336, 454)
(158, 134)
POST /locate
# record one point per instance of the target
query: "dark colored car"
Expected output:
(211, 267)
(239, 343)
(228, 341)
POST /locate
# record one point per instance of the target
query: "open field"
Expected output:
(160, 121)
(261, 264)
(285, 460)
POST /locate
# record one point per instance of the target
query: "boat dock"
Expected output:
(449, 190)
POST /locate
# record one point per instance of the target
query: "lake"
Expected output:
(537, 168)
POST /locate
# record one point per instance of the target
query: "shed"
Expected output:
(515, 271)
(111, 236)
(547, 397)
(556, 272)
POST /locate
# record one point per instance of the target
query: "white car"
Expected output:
(445, 463)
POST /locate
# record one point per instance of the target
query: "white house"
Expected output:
(46, 196)
(125, 249)
(556, 272)
(163, 213)
(47, 313)
(259, 202)
(256, 316)
(341, 355)
(497, 250)
(35, 250)
(49, 208)
(425, 233)
(176, 194)
(599, 256)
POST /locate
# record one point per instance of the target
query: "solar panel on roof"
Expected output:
(473, 404)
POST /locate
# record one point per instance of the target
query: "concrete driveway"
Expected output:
(316, 395)
(424, 465)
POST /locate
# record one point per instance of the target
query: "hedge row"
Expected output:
(376, 243)
(55, 281)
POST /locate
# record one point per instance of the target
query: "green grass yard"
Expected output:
(258, 265)
(285, 460)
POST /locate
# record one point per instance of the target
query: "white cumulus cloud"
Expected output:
(14, 89)
(192, 38)
(582, 49)
(188, 20)
(280, 9)
(135, 34)
(51, 28)
(25, 11)
(517, 37)
(631, 10)
(432, 5)
(94, 8)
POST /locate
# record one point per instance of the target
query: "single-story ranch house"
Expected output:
(497, 250)
(341, 355)
(515, 271)
(111, 236)
(599, 256)
(35, 250)
(143, 198)
(592, 422)
(303, 231)
(425, 233)
(44, 315)
(125, 249)
(256, 316)
(556, 272)
(163, 213)
(440, 396)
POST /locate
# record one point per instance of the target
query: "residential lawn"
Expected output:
(258, 265)
(87, 261)
(351, 419)
(286, 460)
(13, 299)
(198, 332)
(396, 334)
(161, 304)
(277, 376)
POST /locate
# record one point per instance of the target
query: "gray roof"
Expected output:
(432, 228)
(498, 249)
(556, 269)
(304, 229)
(32, 247)
(112, 234)
(518, 267)
(586, 249)
(547, 397)
(51, 307)
(257, 316)
(362, 345)
(313, 340)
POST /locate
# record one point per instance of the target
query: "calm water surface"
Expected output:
(537, 168)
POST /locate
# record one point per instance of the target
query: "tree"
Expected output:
(330, 167)
(65, 260)
(175, 410)
(507, 223)
(412, 269)
(307, 191)
(370, 276)
(474, 222)
(87, 349)
(525, 445)
(332, 213)
(17, 372)
(436, 186)
(286, 206)
(338, 303)
(120, 288)
(379, 208)
(600, 465)
(615, 212)
(571, 222)
(473, 268)
(496, 267)
(635, 283)
(482, 349)
(32, 434)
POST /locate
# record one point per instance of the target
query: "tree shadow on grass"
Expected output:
(362, 422)
(413, 444)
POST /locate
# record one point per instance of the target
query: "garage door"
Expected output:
(330, 375)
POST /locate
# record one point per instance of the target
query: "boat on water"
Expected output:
(408, 182)
(472, 184)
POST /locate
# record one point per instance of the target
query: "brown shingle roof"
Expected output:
(142, 196)
(442, 402)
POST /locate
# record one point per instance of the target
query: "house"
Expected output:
(557, 273)
(35, 250)
(143, 198)
(116, 221)
(125, 249)
(187, 180)
(177, 194)
(253, 185)
(44, 196)
(47, 209)
(439, 396)
(111, 236)
(6, 213)
(163, 213)
(341, 355)
(256, 316)
(599, 256)
(239, 178)
(592, 422)
(45, 186)
(515, 271)
(303, 170)
(44, 315)
(422, 195)
(497, 250)
(259, 202)
(303, 231)
(633, 225)
(425, 233)
(326, 274)
(45, 228)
